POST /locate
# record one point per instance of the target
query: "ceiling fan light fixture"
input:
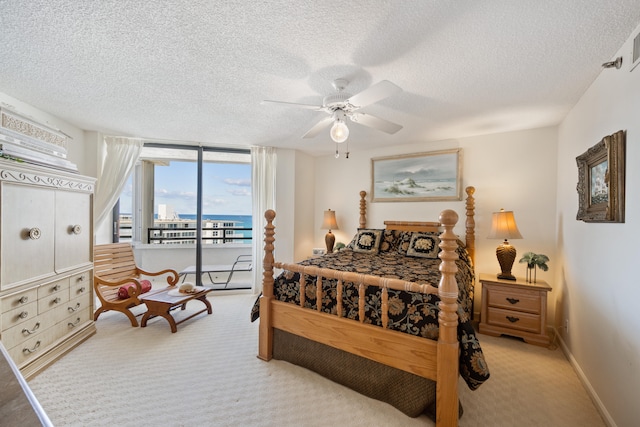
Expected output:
(339, 131)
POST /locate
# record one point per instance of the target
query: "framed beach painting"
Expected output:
(419, 177)
(601, 180)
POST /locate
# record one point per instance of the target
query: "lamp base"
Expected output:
(506, 255)
(329, 240)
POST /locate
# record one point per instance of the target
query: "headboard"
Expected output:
(470, 224)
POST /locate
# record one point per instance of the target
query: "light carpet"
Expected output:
(207, 374)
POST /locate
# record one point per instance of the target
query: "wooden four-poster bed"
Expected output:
(394, 318)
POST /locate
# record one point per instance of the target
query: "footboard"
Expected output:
(386, 346)
(437, 360)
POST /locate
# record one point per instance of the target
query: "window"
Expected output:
(162, 197)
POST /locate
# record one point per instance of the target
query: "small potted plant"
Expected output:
(534, 261)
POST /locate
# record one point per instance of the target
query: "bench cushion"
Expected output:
(123, 292)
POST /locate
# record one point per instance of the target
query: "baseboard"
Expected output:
(606, 417)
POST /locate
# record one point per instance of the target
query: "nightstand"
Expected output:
(514, 307)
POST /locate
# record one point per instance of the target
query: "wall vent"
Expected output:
(635, 54)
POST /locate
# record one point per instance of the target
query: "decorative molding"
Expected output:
(30, 129)
(34, 177)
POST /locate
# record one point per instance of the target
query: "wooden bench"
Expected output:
(242, 263)
(114, 266)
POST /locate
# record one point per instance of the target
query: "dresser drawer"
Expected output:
(19, 299)
(19, 315)
(34, 346)
(514, 320)
(80, 284)
(56, 287)
(52, 301)
(26, 330)
(72, 307)
(74, 321)
(514, 299)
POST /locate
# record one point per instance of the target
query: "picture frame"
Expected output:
(418, 177)
(601, 180)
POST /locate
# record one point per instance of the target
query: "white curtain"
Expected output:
(263, 194)
(120, 156)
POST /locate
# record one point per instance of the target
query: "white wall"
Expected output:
(515, 171)
(596, 272)
(295, 173)
(304, 206)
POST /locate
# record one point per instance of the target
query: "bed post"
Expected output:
(470, 237)
(447, 370)
(363, 209)
(265, 341)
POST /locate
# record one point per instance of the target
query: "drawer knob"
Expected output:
(35, 233)
(81, 290)
(56, 288)
(512, 319)
(23, 315)
(55, 301)
(23, 300)
(26, 331)
(32, 349)
(76, 229)
(513, 300)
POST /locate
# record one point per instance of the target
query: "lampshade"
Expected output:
(503, 226)
(329, 222)
(339, 131)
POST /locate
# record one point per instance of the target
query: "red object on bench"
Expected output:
(123, 292)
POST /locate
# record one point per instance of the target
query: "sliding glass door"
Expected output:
(187, 201)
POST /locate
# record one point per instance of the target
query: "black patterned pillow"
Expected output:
(367, 241)
(424, 245)
(403, 242)
(390, 240)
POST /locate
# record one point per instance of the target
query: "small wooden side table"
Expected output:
(161, 303)
(517, 308)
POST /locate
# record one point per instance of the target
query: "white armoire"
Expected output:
(46, 263)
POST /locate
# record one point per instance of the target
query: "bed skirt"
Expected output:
(409, 393)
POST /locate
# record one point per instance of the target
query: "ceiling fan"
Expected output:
(342, 105)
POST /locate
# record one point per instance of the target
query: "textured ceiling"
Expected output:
(197, 70)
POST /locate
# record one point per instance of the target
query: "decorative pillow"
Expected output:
(123, 292)
(367, 241)
(403, 241)
(389, 240)
(424, 245)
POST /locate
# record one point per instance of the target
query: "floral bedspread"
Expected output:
(410, 312)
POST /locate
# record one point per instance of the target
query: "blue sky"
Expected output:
(226, 188)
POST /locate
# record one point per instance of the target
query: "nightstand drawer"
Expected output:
(514, 320)
(514, 299)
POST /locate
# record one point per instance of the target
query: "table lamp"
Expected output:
(503, 226)
(329, 223)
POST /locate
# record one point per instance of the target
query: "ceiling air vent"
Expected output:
(635, 54)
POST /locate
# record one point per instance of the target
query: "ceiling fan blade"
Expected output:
(318, 127)
(375, 93)
(293, 104)
(376, 123)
